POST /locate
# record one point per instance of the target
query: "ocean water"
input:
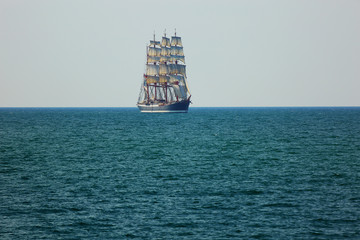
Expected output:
(213, 173)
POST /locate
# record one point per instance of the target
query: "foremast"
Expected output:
(165, 76)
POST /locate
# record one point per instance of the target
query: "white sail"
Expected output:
(176, 41)
(163, 78)
(175, 50)
(151, 59)
(187, 88)
(165, 51)
(165, 59)
(183, 91)
(152, 70)
(154, 43)
(164, 69)
(180, 91)
(177, 58)
(177, 69)
(177, 91)
(165, 54)
(154, 52)
(152, 79)
(165, 42)
(177, 79)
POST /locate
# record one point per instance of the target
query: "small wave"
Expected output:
(252, 192)
(280, 205)
(179, 225)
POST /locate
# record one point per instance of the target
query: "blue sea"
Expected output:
(213, 173)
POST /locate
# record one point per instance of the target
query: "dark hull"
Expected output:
(177, 107)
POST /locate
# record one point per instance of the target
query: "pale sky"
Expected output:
(91, 53)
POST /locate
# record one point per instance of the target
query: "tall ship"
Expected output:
(164, 87)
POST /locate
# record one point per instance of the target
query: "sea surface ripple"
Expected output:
(214, 173)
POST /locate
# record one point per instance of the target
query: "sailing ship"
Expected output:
(164, 87)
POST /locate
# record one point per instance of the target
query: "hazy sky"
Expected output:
(91, 53)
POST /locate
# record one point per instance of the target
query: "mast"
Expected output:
(154, 63)
(151, 76)
(178, 69)
(147, 85)
(163, 65)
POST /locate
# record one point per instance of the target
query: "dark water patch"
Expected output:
(280, 205)
(25, 178)
(130, 235)
(50, 210)
(252, 192)
(179, 225)
(260, 236)
(75, 209)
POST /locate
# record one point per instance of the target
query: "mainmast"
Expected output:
(163, 66)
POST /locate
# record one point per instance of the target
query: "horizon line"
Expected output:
(214, 107)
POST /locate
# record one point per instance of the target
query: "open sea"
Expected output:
(213, 173)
